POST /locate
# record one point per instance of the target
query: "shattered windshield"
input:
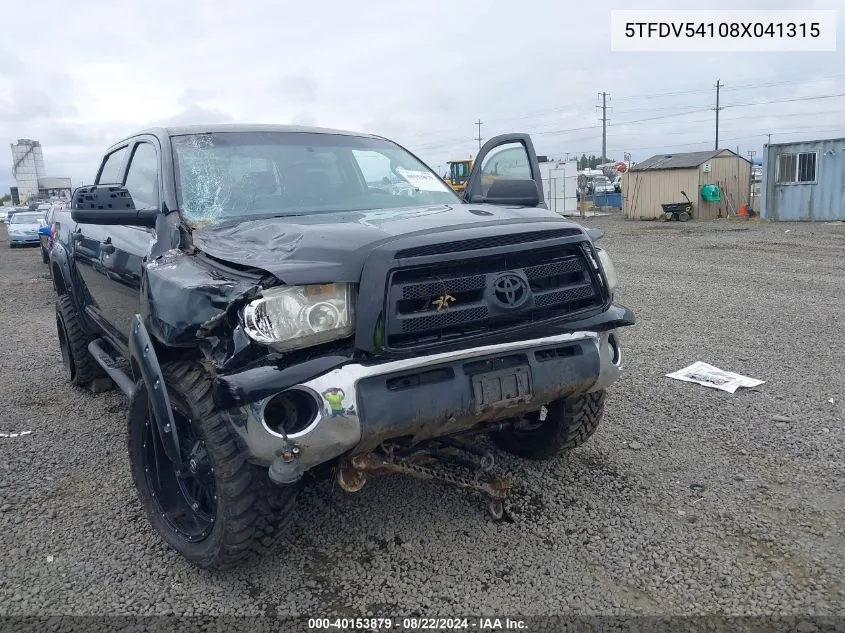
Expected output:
(229, 175)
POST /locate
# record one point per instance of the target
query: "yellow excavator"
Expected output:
(459, 174)
(459, 171)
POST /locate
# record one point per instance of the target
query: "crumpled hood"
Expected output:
(326, 247)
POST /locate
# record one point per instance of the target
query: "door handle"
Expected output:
(107, 247)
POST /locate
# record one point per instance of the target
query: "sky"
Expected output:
(80, 77)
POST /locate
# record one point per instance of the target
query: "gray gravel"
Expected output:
(687, 500)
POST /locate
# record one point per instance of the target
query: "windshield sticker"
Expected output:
(422, 180)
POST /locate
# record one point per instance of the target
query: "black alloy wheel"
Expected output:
(186, 497)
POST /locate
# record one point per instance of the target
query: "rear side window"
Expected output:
(142, 177)
(110, 173)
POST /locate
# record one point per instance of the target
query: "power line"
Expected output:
(660, 109)
(661, 94)
(764, 127)
(697, 143)
(455, 141)
(576, 107)
(748, 105)
(620, 124)
(666, 116)
(786, 82)
(743, 117)
(781, 83)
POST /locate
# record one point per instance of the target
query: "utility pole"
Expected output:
(769, 142)
(478, 138)
(603, 107)
(719, 84)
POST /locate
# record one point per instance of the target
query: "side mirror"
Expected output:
(109, 205)
(511, 192)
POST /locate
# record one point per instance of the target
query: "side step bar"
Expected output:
(120, 378)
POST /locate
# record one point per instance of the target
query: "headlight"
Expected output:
(291, 317)
(609, 270)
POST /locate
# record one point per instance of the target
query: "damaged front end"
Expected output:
(189, 302)
(310, 374)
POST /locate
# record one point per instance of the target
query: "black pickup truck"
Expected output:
(277, 301)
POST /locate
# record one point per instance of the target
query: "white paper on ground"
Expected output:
(710, 376)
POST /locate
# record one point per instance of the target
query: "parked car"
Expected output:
(45, 233)
(23, 228)
(12, 210)
(279, 316)
(4, 212)
(602, 185)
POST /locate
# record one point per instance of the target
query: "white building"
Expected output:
(31, 175)
(27, 167)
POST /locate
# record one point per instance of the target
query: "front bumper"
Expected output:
(427, 396)
(24, 239)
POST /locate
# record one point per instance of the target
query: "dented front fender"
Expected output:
(187, 301)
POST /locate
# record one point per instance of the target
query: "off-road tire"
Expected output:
(45, 256)
(250, 510)
(569, 423)
(80, 367)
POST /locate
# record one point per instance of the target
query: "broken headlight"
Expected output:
(609, 270)
(290, 317)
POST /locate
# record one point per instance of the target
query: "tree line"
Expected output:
(592, 161)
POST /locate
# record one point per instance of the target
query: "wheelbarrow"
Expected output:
(678, 211)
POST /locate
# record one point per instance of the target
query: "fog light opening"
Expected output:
(616, 353)
(290, 412)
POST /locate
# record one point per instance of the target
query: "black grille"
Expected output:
(565, 295)
(485, 242)
(437, 288)
(437, 303)
(444, 319)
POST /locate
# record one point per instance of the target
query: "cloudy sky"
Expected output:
(78, 76)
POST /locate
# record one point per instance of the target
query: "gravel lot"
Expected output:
(687, 500)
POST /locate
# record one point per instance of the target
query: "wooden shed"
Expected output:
(662, 178)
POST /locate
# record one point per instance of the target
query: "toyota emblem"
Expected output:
(510, 290)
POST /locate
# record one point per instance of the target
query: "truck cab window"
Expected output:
(142, 177)
(110, 173)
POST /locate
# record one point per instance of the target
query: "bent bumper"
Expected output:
(430, 396)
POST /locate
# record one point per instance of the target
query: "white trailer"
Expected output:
(560, 186)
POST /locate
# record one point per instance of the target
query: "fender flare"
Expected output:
(59, 257)
(143, 357)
